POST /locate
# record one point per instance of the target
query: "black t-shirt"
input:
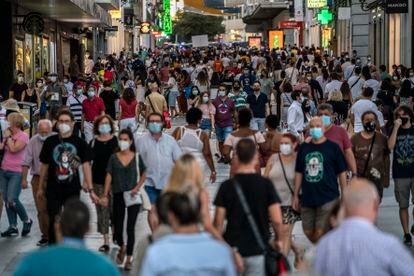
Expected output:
(18, 90)
(101, 151)
(109, 97)
(58, 154)
(260, 194)
(320, 164)
(403, 161)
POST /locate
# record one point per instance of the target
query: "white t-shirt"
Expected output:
(293, 77)
(358, 109)
(375, 85)
(356, 83)
(225, 61)
(332, 86)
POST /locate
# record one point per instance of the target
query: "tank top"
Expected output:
(279, 182)
(190, 142)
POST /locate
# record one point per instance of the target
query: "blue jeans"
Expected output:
(222, 133)
(11, 186)
(258, 124)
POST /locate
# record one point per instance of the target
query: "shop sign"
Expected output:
(33, 23)
(167, 21)
(145, 27)
(255, 41)
(116, 14)
(316, 4)
(290, 24)
(156, 34)
(111, 29)
(275, 39)
(396, 6)
(324, 17)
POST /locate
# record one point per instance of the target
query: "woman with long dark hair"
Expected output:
(127, 110)
(125, 174)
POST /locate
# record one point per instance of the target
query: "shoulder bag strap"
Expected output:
(369, 155)
(355, 82)
(152, 106)
(284, 174)
(137, 166)
(247, 212)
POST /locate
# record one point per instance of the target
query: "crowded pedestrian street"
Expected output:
(206, 138)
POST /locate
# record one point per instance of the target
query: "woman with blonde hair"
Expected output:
(188, 178)
(340, 108)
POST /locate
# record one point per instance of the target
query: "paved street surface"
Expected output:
(12, 249)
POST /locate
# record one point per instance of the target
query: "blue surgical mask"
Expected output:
(104, 129)
(316, 133)
(91, 94)
(222, 93)
(326, 120)
(154, 127)
(79, 92)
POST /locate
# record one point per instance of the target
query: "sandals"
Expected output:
(120, 256)
(104, 248)
(128, 266)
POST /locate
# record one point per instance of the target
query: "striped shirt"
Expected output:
(75, 105)
(358, 248)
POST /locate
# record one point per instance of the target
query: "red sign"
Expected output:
(255, 41)
(156, 34)
(290, 24)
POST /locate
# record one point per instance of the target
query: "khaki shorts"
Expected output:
(316, 218)
(402, 189)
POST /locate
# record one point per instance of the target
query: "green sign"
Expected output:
(325, 16)
(167, 26)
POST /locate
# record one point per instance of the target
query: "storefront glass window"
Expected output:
(37, 57)
(19, 55)
(28, 58)
(45, 55)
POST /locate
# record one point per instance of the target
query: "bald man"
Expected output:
(319, 165)
(31, 161)
(357, 246)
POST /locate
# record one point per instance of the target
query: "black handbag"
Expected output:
(275, 262)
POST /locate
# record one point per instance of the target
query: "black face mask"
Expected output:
(370, 126)
(236, 87)
(404, 120)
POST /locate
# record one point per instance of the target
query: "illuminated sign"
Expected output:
(275, 39)
(325, 16)
(326, 37)
(315, 4)
(255, 41)
(167, 22)
(115, 14)
(290, 24)
(145, 27)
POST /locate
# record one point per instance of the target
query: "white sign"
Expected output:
(199, 40)
(344, 13)
(298, 10)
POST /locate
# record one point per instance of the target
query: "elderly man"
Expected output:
(357, 247)
(31, 161)
(319, 165)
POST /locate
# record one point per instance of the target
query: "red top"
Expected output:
(92, 108)
(108, 75)
(128, 109)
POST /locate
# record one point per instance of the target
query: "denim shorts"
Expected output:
(223, 132)
(153, 193)
(205, 124)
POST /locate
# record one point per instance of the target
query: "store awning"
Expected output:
(72, 11)
(197, 6)
(264, 12)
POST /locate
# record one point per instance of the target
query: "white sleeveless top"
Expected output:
(190, 142)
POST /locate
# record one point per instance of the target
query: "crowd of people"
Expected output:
(307, 137)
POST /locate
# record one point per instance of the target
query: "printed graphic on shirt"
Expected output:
(314, 167)
(404, 152)
(223, 108)
(65, 157)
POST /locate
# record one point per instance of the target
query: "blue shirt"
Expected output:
(247, 82)
(257, 104)
(197, 254)
(71, 258)
(359, 248)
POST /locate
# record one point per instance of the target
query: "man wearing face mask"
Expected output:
(74, 103)
(371, 153)
(319, 165)
(401, 142)
(92, 107)
(258, 103)
(247, 80)
(238, 96)
(17, 89)
(295, 116)
(31, 161)
(61, 158)
(54, 93)
(158, 152)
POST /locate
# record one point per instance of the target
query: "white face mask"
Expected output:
(64, 128)
(123, 145)
(286, 149)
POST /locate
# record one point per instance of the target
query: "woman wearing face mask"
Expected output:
(122, 173)
(194, 97)
(202, 82)
(31, 95)
(406, 95)
(306, 109)
(280, 169)
(209, 111)
(103, 146)
(14, 142)
(127, 110)
(371, 152)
